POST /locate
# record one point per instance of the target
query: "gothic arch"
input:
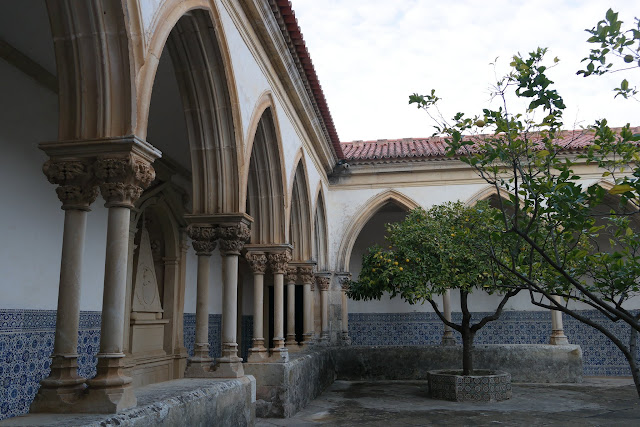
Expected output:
(95, 75)
(300, 212)
(192, 33)
(487, 193)
(369, 209)
(265, 182)
(320, 232)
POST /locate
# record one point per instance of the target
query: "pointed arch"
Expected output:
(488, 193)
(320, 232)
(94, 67)
(192, 34)
(367, 211)
(265, 195)
(300, 212)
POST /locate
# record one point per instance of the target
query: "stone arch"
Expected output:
(367, 211)
(488, 193)
(192, 34)
(320, 232)
(265, 182)
(300, 212)
(94, 67)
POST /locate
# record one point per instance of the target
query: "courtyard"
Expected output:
(596, 401)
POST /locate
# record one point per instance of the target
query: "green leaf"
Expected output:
(620, 188)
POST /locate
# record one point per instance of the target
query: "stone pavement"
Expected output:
(597, 401)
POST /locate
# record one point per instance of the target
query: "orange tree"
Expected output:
(445, 247)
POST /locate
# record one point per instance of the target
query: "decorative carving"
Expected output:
(232, 238)
(76, 196)
(75, 189)
(123, 179)
(203, 238)
(345, 281)
(278, 261)
(306, 275)
(257, 261)
(62, 172)
(145, 285)
(291, 275)
(323, 282)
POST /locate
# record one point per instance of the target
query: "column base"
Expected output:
(110, 390)
(63, 386)
(58, 400)
(558, 338)
(200, 368)
(279, 355)
(346, 339)
(258, 355)
(226, 368)
(448, 338)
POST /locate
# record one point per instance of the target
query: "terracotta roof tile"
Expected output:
(435, 147)
(302, 53)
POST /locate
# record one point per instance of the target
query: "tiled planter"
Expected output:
(483, 386)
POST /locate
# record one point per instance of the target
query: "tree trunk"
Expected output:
(467, 335)
(633, 363)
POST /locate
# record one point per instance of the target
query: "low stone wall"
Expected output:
(285, 388)
(535, 363)
(186, 402)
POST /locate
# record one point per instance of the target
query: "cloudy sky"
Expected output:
(370, 55)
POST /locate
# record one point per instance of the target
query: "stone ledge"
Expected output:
(185, 402)
(534, 363)
(285, 388)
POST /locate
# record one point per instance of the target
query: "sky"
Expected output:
(370, 55)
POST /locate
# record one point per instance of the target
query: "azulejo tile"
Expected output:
(26, 344)
(600, 356)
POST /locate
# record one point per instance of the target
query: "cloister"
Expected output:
(210, 216)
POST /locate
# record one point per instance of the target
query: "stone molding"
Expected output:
(123, 179)
(76, 188)
(257, 262)
(203, 238)
(232, 238)
(278, 261)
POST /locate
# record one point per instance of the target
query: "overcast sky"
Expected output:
(370, 55)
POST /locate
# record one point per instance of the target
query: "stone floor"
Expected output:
(597, 401)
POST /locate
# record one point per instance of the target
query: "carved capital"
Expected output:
(345, 281)
(257, 261)
(291, 275)
(123, 179)
(76, 190)
(232, 238)
(323, 282)
(306, 275)
(203, 238)
(278, 261)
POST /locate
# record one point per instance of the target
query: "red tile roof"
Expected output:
(299, 49)
(414, 149)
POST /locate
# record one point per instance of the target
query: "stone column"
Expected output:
(324, 282)
(345, 279)
(203, 238)
(76, 191)
(278, 263)
(232, 240)
(291, 277)
(307, 279)
(447, 336)
(557, 329)
(122, 180)
(258, 263)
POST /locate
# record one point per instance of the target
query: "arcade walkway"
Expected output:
(597, 401)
